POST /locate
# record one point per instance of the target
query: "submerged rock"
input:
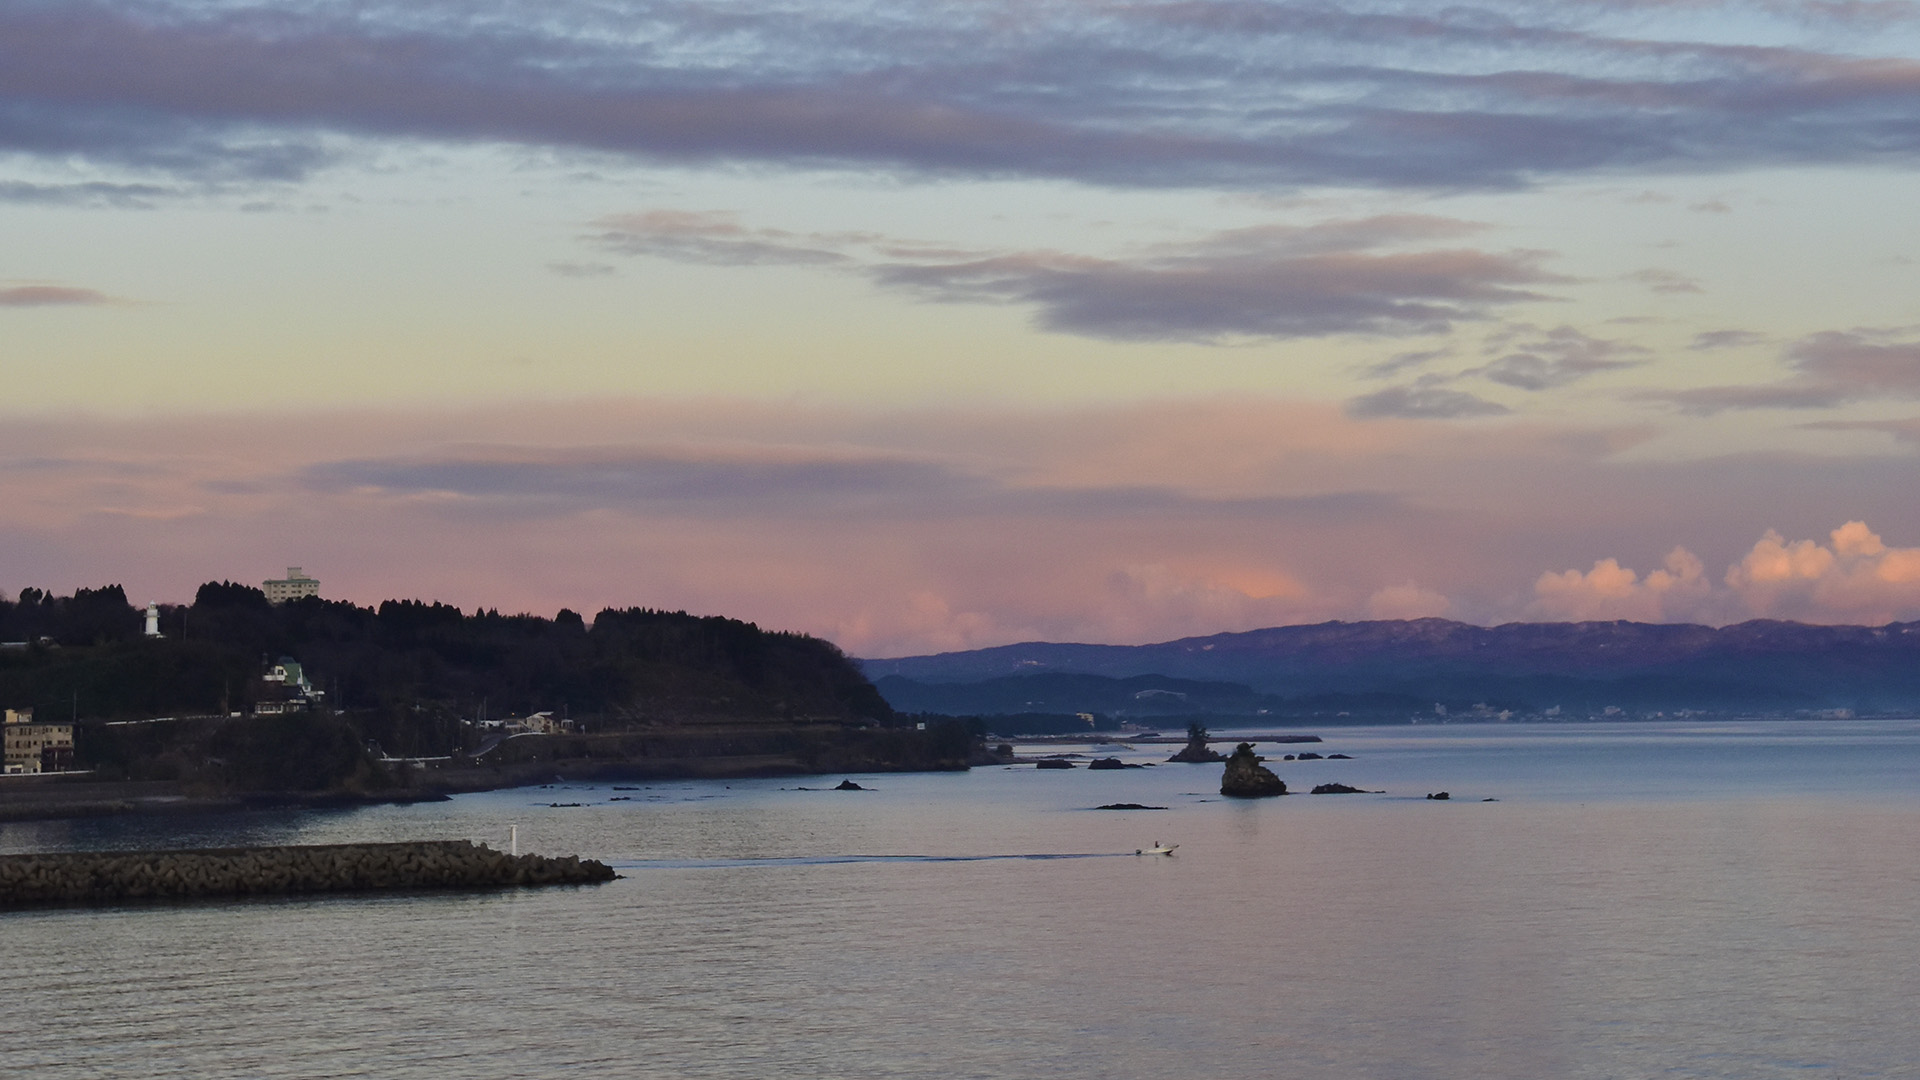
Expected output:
(1308, 755)
(1246, 778)
(1052, 763)
(1112, 763)
(1337, 789)
(1437, 795)
(1128, 806)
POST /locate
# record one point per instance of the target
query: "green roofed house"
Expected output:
(285, 689)
(292, 587)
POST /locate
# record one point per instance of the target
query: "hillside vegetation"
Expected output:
(632, 664)
(402, 679)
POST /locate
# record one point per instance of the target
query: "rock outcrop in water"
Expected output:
(1197, 752)
(111, 876)
(1246, 778)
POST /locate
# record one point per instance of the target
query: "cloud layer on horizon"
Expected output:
(900, 532)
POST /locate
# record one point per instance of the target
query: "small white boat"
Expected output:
(1158, 848)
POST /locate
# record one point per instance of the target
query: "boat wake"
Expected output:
(830, 860)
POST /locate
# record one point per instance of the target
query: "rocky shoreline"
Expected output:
(715, 753)
(64, 796)
(115, 876)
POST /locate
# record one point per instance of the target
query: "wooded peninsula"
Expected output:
(235, 698)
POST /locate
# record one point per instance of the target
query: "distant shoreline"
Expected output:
(59, 797)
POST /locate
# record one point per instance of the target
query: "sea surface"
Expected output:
(1636, 900)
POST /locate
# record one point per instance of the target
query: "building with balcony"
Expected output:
(35, 748)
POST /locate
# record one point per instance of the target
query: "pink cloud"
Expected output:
(1612, 591)
(50, 296)
(1854, 577)
(1407, 601)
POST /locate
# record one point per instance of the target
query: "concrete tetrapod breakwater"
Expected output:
(109, 876)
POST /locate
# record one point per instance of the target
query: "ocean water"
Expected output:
(1642, 900)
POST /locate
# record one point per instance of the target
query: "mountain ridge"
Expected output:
(1757, 664)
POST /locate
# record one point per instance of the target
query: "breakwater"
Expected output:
(109, 876)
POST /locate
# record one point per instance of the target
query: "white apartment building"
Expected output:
(292, 587)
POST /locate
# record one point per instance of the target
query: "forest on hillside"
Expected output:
(85, 656)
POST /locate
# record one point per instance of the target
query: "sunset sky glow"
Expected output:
(928, 326)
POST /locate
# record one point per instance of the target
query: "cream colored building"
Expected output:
(292, 587)
(32, 748)
(546, 723)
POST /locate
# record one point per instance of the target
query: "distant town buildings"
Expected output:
(36, 748)
(292, 587)
(540, 723)
(546, 723)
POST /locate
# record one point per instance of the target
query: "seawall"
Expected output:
(109, 876)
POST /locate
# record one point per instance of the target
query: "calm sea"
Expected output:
(1644, 900)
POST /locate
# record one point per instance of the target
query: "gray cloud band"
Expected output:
(504, 479)
(1264, 282)
(1490, 95)
(1829, 369)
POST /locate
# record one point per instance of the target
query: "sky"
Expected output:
(935, 325)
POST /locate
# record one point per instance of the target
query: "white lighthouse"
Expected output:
(153, 619)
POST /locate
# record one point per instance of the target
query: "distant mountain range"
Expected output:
(1400, 666)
